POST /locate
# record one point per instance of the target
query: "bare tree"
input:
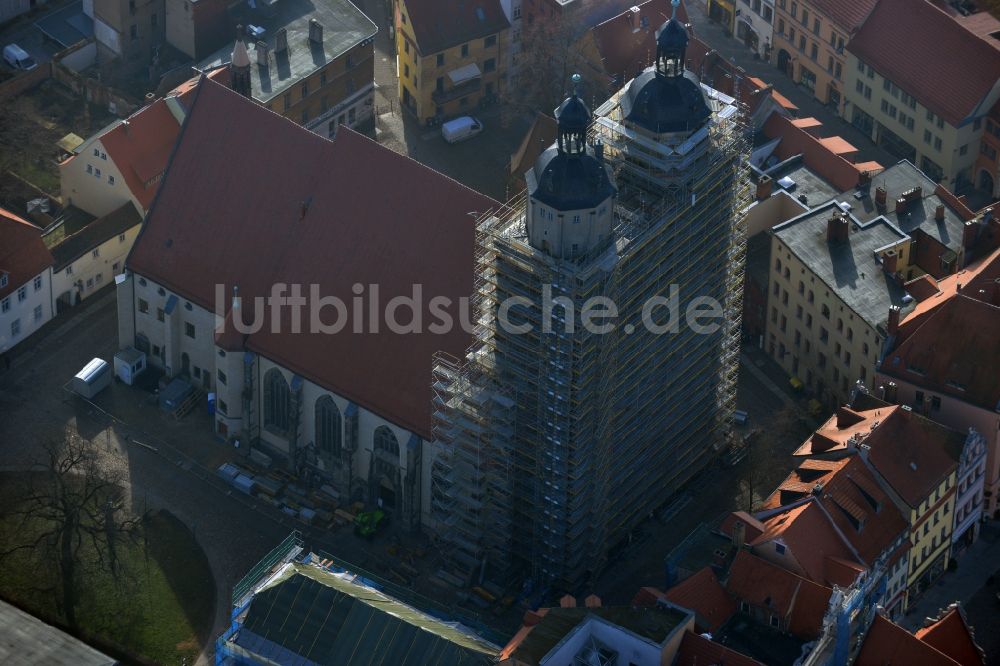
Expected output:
(73, 520)
(549, 56)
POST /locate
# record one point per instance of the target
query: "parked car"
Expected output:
(461, 129)
(18, 58)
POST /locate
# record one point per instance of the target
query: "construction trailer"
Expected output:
(556, 445)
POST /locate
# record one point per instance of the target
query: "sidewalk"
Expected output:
(734, 51)
(979, 562)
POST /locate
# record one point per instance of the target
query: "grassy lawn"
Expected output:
(163, 613)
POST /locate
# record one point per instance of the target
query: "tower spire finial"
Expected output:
(674, 4)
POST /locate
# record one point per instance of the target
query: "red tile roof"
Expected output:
(912, 453)
(810, 541)
(785, 594)
(23, 254)
(881, 522)
(624, 45)
(439, 25)
(140, 147)
(228, 215)
(977, 280)
(820, 155)
(952, 350)
(952, 635)
(888, 643)
(697, 650)
(847, 14)
(703, 594)
(926, 53)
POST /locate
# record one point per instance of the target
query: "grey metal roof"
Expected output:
(567, 181)
(897, 179)
(27, 641)
(848, 268)
(310, 615)
(344, 26)
(662, 103)
(808, 183)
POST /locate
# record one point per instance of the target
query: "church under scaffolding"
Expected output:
(555, 443)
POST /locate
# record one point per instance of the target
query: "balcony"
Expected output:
(464, 81)
(467, 88)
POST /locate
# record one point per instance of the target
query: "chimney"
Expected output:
(939, 213)
(599, 150)
(880, 197)
(969, 233)
(764, 187)
(281, 41)
(893, 323)
(593, 601)
(262, 53)
(568, 601)
(901, 205)
(889, 261)
(739, 533)
(315, 32)
(837, 228)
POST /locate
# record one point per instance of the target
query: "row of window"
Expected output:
(97, 174)
(323, 79)
(328, 422)
(15, 326)
(22, 292)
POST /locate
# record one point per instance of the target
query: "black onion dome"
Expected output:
(665, 103)
(568, 181)
(672, 36)
(573, 115)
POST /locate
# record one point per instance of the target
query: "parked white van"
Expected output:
(18, 58)
(461, 129)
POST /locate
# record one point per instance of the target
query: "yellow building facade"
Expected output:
(438, 82)
(930, 538)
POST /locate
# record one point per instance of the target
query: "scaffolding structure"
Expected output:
(558, 441)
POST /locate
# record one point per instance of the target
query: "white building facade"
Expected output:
(25, 309)
(314, 432)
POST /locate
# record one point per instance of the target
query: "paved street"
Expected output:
(970, 581)
(735, 51)
(167, 464)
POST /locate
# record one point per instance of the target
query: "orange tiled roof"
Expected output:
(140, 147)
(952, 635)
(808, 534)
(912, 453)
(23, 255)
(786, 594)
(978, 276)
(888, 643)
(703, 594)
(923, 51)
(953, 351)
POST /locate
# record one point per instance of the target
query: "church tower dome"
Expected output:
(666, 97)
(569, 188)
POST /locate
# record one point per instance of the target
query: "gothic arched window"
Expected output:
(277, 401)
(328, 426)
